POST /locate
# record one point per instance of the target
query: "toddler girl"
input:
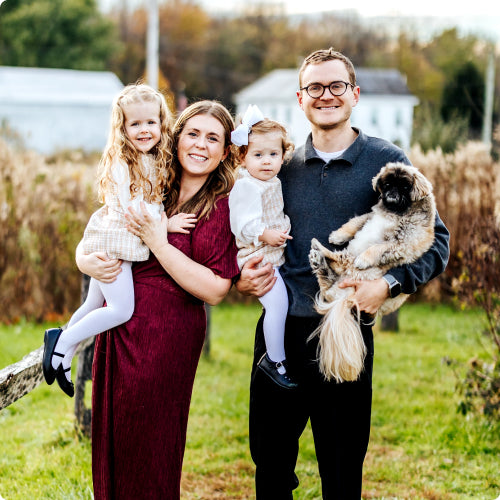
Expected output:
(260, 226)
(133, 170)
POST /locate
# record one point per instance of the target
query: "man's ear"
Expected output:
(355, 94)
(299, 97)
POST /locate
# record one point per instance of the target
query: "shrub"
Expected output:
(480, 281)
(430, 131)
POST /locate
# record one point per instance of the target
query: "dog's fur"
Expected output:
(398, 230)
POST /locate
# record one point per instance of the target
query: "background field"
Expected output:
(421, 448)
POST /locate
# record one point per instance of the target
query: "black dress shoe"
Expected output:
(65, 384)
(49, 343)
(270, 368)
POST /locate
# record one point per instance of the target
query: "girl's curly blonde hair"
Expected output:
(267, 126)
(120, 148)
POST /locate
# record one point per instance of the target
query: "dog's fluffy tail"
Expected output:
(341, 349)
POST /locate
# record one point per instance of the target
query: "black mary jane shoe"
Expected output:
(65, 384)
(270, 368)
(49, 343)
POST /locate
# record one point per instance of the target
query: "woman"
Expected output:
(144, 370)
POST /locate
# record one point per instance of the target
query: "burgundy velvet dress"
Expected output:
(144, 371)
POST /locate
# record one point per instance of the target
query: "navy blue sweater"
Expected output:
(320, 197)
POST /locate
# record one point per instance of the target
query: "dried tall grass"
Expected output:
(44, 206)
(466, 185)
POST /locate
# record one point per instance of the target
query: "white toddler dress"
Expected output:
(254, 206)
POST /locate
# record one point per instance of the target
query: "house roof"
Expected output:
(57, 86)
(371, 81)
(381, 81)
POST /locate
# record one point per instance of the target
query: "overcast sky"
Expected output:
(471, 17)
(379, 7)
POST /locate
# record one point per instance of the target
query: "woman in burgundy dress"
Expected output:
(144, 370)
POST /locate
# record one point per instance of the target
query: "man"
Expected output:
(327, 182)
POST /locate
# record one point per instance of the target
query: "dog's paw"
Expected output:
(337, 237)
(362, 262)
(316, 259)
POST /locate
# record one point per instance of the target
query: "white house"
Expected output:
(57, 109)
(385, 108)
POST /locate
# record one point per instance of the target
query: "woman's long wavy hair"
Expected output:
(119, 147)
(219, 182)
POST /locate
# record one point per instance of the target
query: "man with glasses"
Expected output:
(327, 182)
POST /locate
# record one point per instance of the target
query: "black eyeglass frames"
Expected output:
(316, 90)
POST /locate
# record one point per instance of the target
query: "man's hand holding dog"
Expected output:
(370, 295)
(256, 280)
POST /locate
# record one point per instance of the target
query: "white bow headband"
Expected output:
(252, 115)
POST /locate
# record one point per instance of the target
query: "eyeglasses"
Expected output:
(316, 90)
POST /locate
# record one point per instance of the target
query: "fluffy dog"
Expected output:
(398, 230)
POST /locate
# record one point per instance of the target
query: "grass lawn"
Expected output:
(420, 447)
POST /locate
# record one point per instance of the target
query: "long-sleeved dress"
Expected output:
(257, 205)
(106, 230)
(144, 371)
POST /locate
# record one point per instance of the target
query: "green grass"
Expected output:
(420, 448)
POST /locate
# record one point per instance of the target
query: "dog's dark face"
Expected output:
(395, 191)
(400, 185)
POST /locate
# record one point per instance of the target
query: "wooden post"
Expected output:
(390, 322)
(83, 414)
(489, 96)
(84, 372)
(152, 44)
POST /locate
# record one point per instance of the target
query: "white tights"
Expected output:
(275, 303)
(92, 318)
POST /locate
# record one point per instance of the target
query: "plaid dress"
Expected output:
(106, 231)
(256, 205)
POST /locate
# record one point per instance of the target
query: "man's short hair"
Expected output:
(324, 55)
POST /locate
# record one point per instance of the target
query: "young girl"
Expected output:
(260, 226)
(133, 169)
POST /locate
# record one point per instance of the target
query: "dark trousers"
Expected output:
(339, 414)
